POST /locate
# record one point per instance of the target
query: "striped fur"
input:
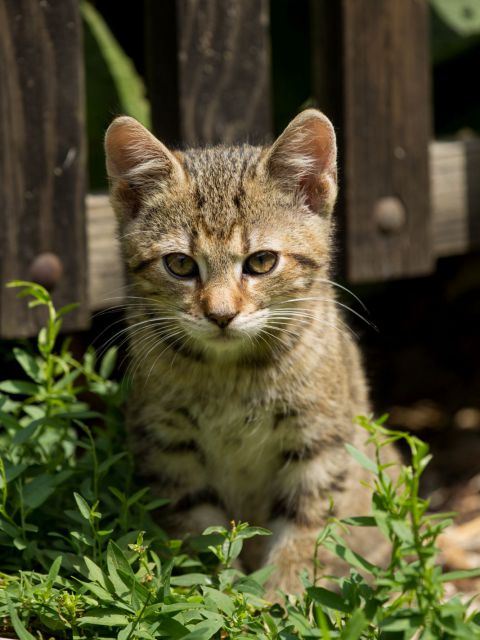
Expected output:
(247, 423)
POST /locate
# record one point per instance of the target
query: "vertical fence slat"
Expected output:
(382, 110)
(222, 59)
(42, 156)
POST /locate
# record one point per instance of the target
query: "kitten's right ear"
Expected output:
(303, 159)
(136, 163)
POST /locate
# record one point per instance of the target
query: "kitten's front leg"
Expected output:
(172, 462)
(309, 491)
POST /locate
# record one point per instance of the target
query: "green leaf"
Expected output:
(67, 309)
(355, 626)
(12, 471)
(41, 488)
(351, 557)
(111, 460)
(19, 387)
(204, 630)
(262, 575)
(108, 362)
(93, 572)
(29, 364)
(104, 618)
(459, 575)
(190, 580)
(18, 625)
(251, 532)
(117, 560)
(173, 628)
(221, 601)
(53, 572)
(82, 505)
(329, 599)
(362, 459)
(402, 530)
(360, 521)
(247, 585)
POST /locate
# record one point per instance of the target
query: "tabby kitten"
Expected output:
(246, 382)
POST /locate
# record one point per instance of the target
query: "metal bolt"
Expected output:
(390, 215)
(47, 269)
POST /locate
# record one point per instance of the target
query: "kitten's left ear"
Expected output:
(303, 160)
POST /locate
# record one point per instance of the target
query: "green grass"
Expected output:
(82, 557)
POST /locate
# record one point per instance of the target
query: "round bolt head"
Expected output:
(390, 214)
(46, 269)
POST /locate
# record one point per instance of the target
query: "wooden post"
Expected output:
(42, 159)
(385, 126)
(209, 70)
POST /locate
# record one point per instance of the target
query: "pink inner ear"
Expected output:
(128, 144)
(320, 145)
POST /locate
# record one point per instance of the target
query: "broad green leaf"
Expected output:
(29, 364)
(247, 585)
(221, 601)
(20, 387)
(12, 471)
(41, 488)
(116, 560)
(173, 628)
(329, 599)
(102, 595)
(204, 630)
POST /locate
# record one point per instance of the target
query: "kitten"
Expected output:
(246, 382)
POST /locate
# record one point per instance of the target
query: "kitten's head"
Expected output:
(220, 243)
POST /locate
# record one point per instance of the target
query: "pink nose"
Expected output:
(221, 320)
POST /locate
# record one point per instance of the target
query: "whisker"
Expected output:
(340, 304)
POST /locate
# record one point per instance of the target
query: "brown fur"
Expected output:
(248, 422)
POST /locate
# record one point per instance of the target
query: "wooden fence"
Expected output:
(406, 200)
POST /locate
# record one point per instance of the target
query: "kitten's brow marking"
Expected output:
(304, 261)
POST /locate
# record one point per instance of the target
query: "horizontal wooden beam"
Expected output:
(455, 218)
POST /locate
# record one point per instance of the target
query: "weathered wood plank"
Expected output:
(42, 156)
(455, 189)
(379, 98)
(455, 218)
(220, 52)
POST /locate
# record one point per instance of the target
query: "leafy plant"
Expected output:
(81, 556)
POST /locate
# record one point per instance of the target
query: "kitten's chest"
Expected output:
(242, 455)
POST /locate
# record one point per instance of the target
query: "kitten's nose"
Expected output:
(221, 320)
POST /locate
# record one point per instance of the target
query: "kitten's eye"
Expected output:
(260, 263)
(181, 265)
